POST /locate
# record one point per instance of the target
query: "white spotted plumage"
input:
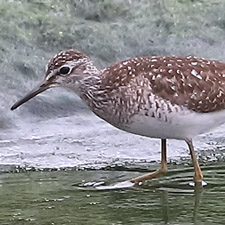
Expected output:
(146, 94)
(161, 97)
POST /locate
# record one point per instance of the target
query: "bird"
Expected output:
(164, 97)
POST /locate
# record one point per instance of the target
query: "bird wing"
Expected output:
(195, 83)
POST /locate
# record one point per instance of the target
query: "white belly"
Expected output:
(179, 125)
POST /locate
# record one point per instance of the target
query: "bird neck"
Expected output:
(88, 91)
(89, 82)
(89, 88)
(89, 69)
(86, 77)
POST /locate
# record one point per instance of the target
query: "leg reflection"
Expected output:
(198, 194)
(164, 204)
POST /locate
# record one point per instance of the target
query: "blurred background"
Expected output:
(56, 131)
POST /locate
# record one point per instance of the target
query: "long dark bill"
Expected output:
(33, 93)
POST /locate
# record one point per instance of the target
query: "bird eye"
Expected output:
(64, 70)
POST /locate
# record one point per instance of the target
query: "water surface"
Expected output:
(63, 197)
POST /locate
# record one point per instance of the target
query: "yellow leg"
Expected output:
(198, 176)
(161, 171)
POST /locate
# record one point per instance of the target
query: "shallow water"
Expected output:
(62, 197)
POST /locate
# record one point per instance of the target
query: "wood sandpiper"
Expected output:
(159, 97)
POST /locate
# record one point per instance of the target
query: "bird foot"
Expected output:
(120, 185)
(102, 186)
(201, 184)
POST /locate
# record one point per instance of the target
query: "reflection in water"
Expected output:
(164, 204)
(51, 198)
(198, 194)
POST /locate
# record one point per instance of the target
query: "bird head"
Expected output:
(66, 69)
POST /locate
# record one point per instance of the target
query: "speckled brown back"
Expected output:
(195, 83)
